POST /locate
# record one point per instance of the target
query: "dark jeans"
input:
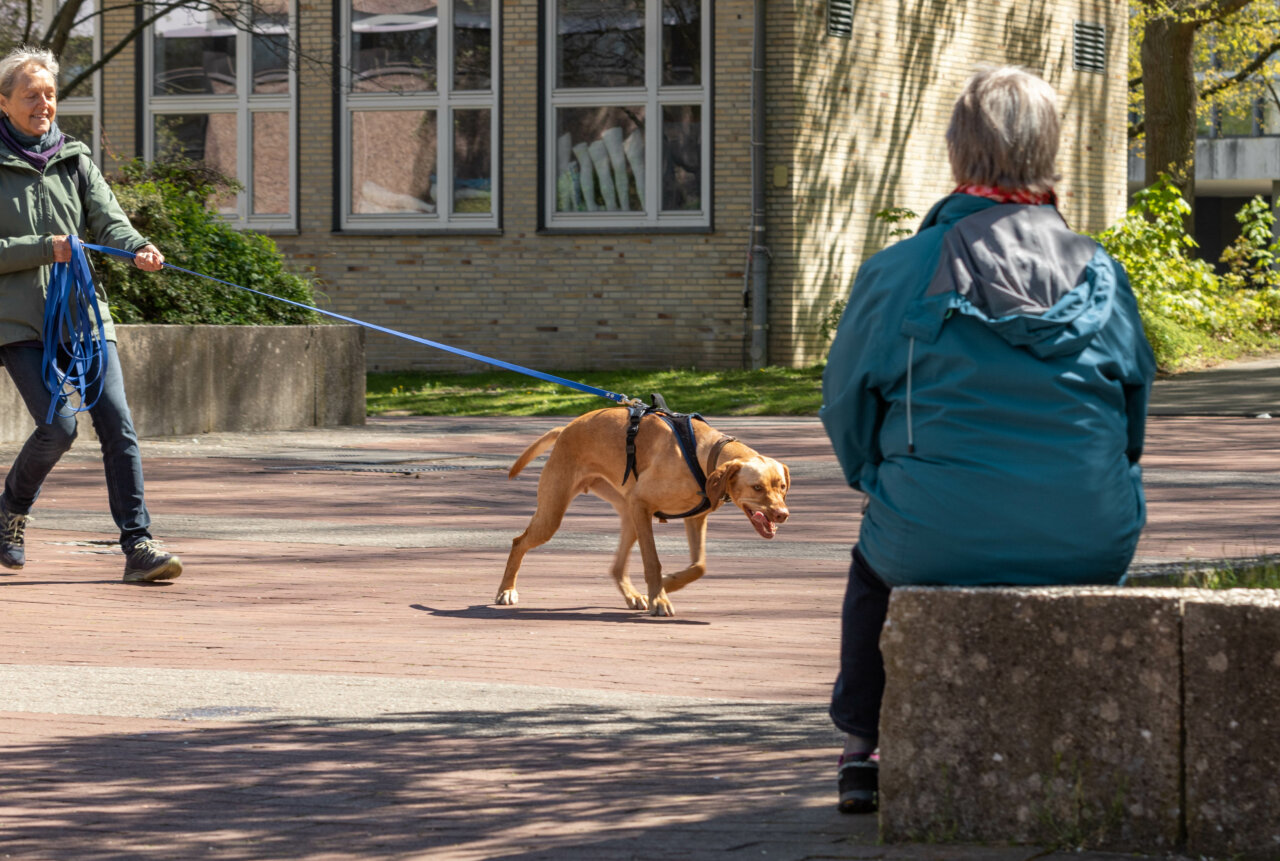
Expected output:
(855, 702)
(111, 421)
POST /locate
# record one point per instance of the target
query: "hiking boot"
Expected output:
(13, 554)
(145, 562)
(859, 777)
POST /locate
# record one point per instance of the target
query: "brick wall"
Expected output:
(119, 91)
(867, 116)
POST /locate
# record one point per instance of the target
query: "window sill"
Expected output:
(632, 230)
(417, 231)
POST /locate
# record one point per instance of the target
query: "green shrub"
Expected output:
(169, 204)
(1190, 314)
(1250, 257)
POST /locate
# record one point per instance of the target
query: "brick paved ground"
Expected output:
(330, 681)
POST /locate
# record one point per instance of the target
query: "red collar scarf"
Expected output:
(1006, 195)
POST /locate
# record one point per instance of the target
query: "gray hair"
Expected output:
(18, 59)
(1004, 131)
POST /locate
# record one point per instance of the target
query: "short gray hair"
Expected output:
(1004, 131)
(18, 59)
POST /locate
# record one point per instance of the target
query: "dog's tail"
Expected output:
(538, 446)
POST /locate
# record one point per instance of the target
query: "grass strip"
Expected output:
(766, 392)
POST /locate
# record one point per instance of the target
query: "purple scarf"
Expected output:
(10, 137)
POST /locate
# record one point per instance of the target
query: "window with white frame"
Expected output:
(221, 91)
(78, 104)
(627, 140)
(420, 115)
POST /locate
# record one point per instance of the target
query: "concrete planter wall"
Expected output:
(198, 379)
(1122, 719)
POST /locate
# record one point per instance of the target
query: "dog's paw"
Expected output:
(661, 606)
(637, 602)
(507, 597)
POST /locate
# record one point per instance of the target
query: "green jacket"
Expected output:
(38, 206)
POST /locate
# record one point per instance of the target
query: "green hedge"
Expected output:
(1191, 314)
(169, 203)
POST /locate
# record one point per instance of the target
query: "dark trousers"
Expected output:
(855, 701)
(113, 425)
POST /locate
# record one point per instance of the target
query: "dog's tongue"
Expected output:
(763, 525)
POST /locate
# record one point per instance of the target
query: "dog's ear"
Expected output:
(786, 473)
(718, 482)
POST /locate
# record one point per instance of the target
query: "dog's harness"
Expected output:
(681, 425)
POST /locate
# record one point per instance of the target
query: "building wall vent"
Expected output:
(1090, 51)
(840, 18)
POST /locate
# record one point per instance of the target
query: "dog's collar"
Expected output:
(716, 449)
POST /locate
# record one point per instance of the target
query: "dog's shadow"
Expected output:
(560, 614)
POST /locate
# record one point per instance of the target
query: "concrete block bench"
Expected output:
(1123, 719)
(184, 380)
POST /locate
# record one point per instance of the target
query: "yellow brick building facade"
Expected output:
(854, 125)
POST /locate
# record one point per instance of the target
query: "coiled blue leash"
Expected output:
(73, 329)
(550, 378)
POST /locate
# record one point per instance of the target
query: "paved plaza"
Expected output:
(330, 680)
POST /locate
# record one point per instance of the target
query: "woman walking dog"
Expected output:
(60, 192)
(987, 390)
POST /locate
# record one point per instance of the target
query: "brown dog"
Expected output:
(590, 457)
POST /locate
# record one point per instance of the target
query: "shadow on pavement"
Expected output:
(538, 614)
(281, 792)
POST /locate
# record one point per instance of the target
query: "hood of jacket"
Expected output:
(1022, 272)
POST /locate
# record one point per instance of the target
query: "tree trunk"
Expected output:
(1169, 83)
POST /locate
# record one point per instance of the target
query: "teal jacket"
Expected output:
(37, 207)
(987, 390)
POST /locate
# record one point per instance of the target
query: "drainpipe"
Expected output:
(759, 253)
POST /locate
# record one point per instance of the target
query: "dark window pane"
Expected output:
(77, 54)
(393, 162)
(79, 126)
(472, 161)
(472, 45)
(682, 158)
(270, 46)
(682, 42)
(600, 44)
(206, 138)
(600, 159)
(393, 45)
(271, 63)
(195, 53)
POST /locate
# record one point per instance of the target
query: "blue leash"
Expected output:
(73, 327)
(550, 378)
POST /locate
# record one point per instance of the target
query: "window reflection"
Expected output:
(600, 159)
(681, 157)
(270, 46)
(393, 161)
(77, 55)
(270, 163)
(472, 45)
(208, 138)
(79, 126)
(600, 44)
(472, 171)
(393, 45)
(195, 52)
(681, 42)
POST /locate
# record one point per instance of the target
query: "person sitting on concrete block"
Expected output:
(987, 390)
